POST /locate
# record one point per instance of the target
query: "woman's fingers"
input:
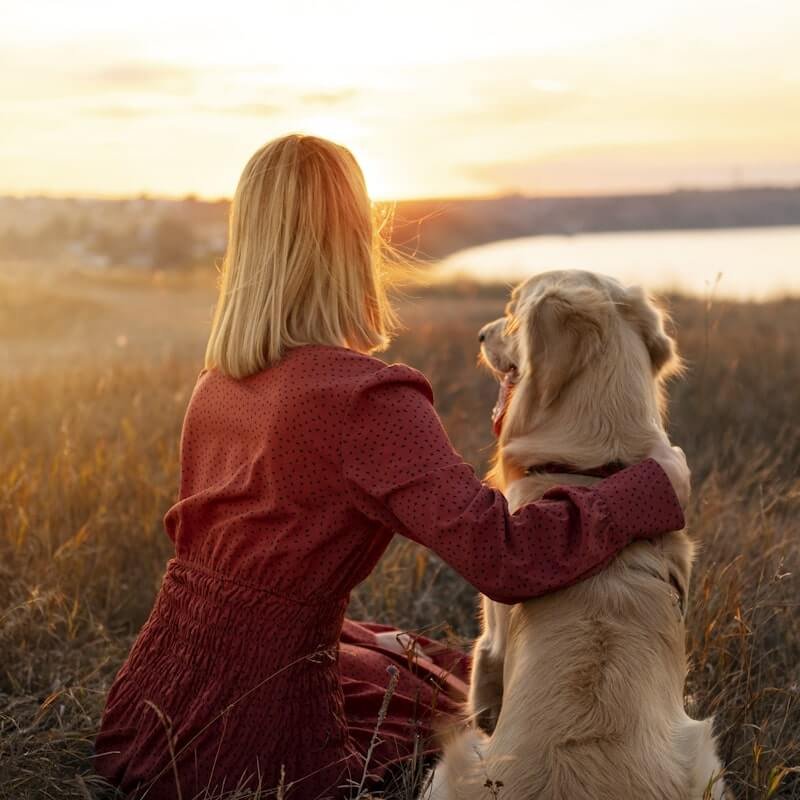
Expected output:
(673, 461)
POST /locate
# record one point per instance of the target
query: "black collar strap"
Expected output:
(555, 468)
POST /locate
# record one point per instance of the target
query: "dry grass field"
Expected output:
(95, 374)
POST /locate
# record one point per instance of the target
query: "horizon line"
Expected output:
(501, 195)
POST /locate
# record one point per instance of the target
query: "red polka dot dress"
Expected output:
(293, 482)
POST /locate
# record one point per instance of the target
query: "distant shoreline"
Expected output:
(746, 263)
(434, 229)
(159, 232)
(612, 231)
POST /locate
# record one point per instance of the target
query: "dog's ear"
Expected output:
(565, 329)
(640, 309)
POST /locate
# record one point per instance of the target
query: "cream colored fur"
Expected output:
(578, 695)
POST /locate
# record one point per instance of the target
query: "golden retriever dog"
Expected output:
(578, 695)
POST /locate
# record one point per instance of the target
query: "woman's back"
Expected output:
(241, 654)
(262, 479)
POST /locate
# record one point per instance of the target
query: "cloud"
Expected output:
(245, 109)
(549, 85)
(631, 168)
(121, 112)
(141, 76)
(329, 98)
(288, 101)
(504, 104)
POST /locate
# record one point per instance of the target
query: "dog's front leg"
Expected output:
(488, 657)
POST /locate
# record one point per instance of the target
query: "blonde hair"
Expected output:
(303, 262)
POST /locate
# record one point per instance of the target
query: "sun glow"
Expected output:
(495, 98)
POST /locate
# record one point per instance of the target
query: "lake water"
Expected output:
(745, 263)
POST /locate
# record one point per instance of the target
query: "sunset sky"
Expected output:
(435, 98)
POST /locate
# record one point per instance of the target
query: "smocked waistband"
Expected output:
(209, 610)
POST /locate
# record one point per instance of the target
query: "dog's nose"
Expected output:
(481, 337)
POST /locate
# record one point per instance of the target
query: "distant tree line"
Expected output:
(165, 241)
(172, 234)
(436, 228)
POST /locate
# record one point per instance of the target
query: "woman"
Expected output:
(301, 456)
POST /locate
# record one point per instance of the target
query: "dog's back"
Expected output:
(592, 705)
(606, 694)
(592, 691)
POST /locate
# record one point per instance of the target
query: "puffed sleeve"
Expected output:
(403, 473)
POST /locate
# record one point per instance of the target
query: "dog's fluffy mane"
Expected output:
(560, 326)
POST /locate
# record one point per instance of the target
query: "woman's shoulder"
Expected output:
(322, 369)
(340, 366)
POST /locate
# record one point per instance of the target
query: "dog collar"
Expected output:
(556, 468)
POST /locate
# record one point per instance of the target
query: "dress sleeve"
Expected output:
(403, 473)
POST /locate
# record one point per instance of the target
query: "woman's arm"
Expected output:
(403, 472)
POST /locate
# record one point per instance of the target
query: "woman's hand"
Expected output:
(673, 461)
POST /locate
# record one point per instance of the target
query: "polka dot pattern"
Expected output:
(293, 482)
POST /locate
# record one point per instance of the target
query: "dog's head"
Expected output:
(574, 341)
